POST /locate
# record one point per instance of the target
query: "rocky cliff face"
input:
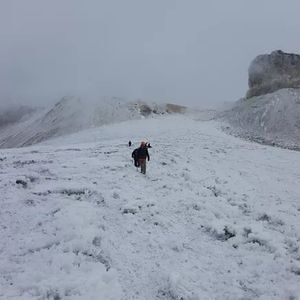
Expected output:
(271, 72)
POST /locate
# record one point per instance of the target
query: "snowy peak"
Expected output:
(73, 114)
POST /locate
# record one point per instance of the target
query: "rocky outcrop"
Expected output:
(147, 109)
(174, 108)
(271, 72)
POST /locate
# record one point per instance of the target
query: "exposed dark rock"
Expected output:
(21, 182)
(271, 72)
(174, 108)
(129, 211)
(145, 110)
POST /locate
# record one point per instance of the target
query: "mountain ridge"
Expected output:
(73, 114)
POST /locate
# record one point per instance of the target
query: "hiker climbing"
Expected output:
(142, 155)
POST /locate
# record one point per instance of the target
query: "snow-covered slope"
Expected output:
(272, 118)
(215, 217)
(73, 114)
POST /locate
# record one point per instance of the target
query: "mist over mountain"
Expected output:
(21, 126)
(13, 114)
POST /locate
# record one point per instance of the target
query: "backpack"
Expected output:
(134, 155)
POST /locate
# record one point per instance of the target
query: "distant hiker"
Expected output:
(134, 155)
(129, 143)
(142, 155)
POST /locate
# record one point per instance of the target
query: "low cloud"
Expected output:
(190, 52)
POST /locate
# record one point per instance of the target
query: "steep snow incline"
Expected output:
(214, 218)
(271, 119)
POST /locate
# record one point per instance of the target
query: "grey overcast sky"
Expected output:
(189, 51)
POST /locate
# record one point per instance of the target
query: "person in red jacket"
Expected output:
(142, 155)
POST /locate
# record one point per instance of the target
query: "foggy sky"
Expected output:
(192, 52)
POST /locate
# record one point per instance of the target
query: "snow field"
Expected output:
(215, 217)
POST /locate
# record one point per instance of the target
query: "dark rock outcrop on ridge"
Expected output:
(271, 72)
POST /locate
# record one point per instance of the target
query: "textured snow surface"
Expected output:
(215, 217)
(271, 119)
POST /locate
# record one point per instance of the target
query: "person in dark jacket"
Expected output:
(142, 155)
